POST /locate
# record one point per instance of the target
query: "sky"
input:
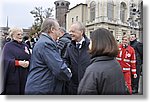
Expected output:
(18, 11)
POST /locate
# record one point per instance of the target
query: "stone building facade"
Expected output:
(119, 16)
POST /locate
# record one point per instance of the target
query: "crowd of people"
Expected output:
(61, 63)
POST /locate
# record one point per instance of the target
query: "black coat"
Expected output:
(103, 77)
(77, 60)
(138, 47)
(14, 76)
(63, 43)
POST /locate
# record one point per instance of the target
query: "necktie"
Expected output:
(78, 46)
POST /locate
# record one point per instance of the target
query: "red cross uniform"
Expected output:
(126, 58)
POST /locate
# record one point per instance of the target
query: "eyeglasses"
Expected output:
(19, 34)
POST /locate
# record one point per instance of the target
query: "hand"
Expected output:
(135, 76)
(24, 63)
(69, 70)
(27, 63)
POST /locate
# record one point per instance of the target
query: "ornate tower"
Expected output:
(62, 7)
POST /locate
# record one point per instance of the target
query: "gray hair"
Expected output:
(81, 26)
(48, 24)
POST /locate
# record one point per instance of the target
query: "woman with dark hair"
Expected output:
(104, 76)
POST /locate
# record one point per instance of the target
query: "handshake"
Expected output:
(24, 63)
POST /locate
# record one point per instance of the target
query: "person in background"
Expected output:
(4, 39)
(26, 40)
(126, 58)
(34, 39)
(15, 60)
(48, 72)
(138, 47)
(104, 75)
(63, 41)
(77, 56)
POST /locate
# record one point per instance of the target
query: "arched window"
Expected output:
(110, 10)
(123, 9)
(62, 4)
(92, 11)
(57, 4)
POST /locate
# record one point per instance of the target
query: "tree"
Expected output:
(39, 15)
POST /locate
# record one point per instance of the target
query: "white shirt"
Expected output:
(80, 42)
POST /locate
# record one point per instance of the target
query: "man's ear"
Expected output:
(51, 29)
(82, 32)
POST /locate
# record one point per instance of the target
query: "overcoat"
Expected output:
(77, 60)
(103, 77)
(48, 72)
(14, 76)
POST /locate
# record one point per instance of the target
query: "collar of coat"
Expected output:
(17, 41)
(86, 42)
(45, 34)
(101, 58)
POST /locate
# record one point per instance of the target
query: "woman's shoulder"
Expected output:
(95, 67)
(102, 65)
(9, 44)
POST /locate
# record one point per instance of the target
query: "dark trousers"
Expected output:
(135, 81)
(73, 88)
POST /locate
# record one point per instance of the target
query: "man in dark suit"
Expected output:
(77, 56)
(138, 47)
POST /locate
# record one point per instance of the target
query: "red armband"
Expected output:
(16, 63)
